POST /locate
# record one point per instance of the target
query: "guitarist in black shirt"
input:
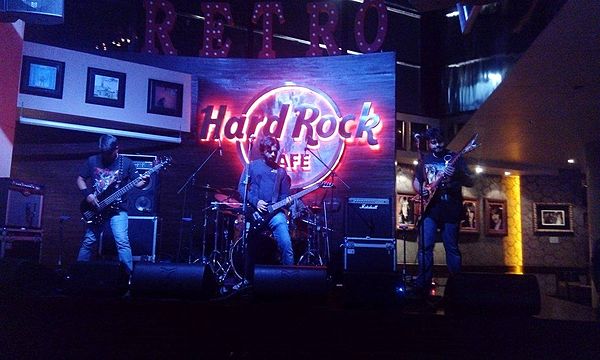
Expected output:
(268, 183)
(107, 171)
(449, 173)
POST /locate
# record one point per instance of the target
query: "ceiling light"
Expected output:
(571, 161)
(507, 173)
(415, 162)
(478, 169)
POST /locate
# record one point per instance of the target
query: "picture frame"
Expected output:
(470, 222)
(405, 211)
(165, 98)
(496, 217)
(552, 218)
(105, 87)
(42, 77)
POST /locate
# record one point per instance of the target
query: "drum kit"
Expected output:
(223, 226)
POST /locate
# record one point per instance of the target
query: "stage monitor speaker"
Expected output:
(298, 283)
(144, 201)
(506, 295)
(97, 278)
(372, 289)
(20, 277)
(189, 281)
(21, 204)
(369, 217)
(46, 12)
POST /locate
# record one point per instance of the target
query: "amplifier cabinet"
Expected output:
(21, 244)
(21, 204)
(369, 217)
(369, 254)
(142, 238)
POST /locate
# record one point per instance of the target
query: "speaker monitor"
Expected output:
(369, 217)
(299, 283)
(492, 294)
(190, 281)
(21, 204)
(98, 278)
(144, 201)
(47, 12)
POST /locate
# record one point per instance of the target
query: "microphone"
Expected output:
(220, 147)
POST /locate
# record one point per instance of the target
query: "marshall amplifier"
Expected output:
(21, 204)
(369, 217)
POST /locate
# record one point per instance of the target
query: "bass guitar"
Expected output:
(433, 186)
(258, 218)
(109, 199)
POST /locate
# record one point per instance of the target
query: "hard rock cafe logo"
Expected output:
(312, 132)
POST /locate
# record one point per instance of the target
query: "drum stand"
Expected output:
(310, 256)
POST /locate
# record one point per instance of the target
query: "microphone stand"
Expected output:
(420, 222)
(184, 188)
(244, 211)
(327, 229)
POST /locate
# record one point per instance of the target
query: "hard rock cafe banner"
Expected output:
(330, 114)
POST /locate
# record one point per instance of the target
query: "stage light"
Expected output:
(415, 162)
(571, 161)
(452, 14)
(478, 169)
(507, 173)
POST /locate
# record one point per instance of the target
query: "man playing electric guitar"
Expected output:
(268, 183)
(444, 205)
(106, 171)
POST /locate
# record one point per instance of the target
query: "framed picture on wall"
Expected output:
(105, 87)
(495, 217)
(405, 211)
(42, 77)
(552, 218)
(165, 98)
(470, 223)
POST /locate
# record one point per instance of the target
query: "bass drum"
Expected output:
(266, 252)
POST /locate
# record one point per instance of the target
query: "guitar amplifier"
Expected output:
(369, 254)
(21, 204)
(369, 217)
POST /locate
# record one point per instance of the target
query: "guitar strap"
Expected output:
(277, 187)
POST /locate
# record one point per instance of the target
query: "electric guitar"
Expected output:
(109, 199)
(433, 186)
(258, 218)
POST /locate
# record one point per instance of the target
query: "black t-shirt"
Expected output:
(446, 204)
(263, 182)
(103, 175)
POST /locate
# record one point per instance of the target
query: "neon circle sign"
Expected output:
(305, 123)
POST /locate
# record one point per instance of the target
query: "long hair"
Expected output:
(267, 142)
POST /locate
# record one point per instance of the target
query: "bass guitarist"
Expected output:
(106, 171)
(444, 205)
(267, 183)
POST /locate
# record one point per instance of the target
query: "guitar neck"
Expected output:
(117, 194)
(282, 203)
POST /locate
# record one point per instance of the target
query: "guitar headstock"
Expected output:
(471, 144)
(163, 161)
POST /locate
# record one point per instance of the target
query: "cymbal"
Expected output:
(228, 200)
(206, 187)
